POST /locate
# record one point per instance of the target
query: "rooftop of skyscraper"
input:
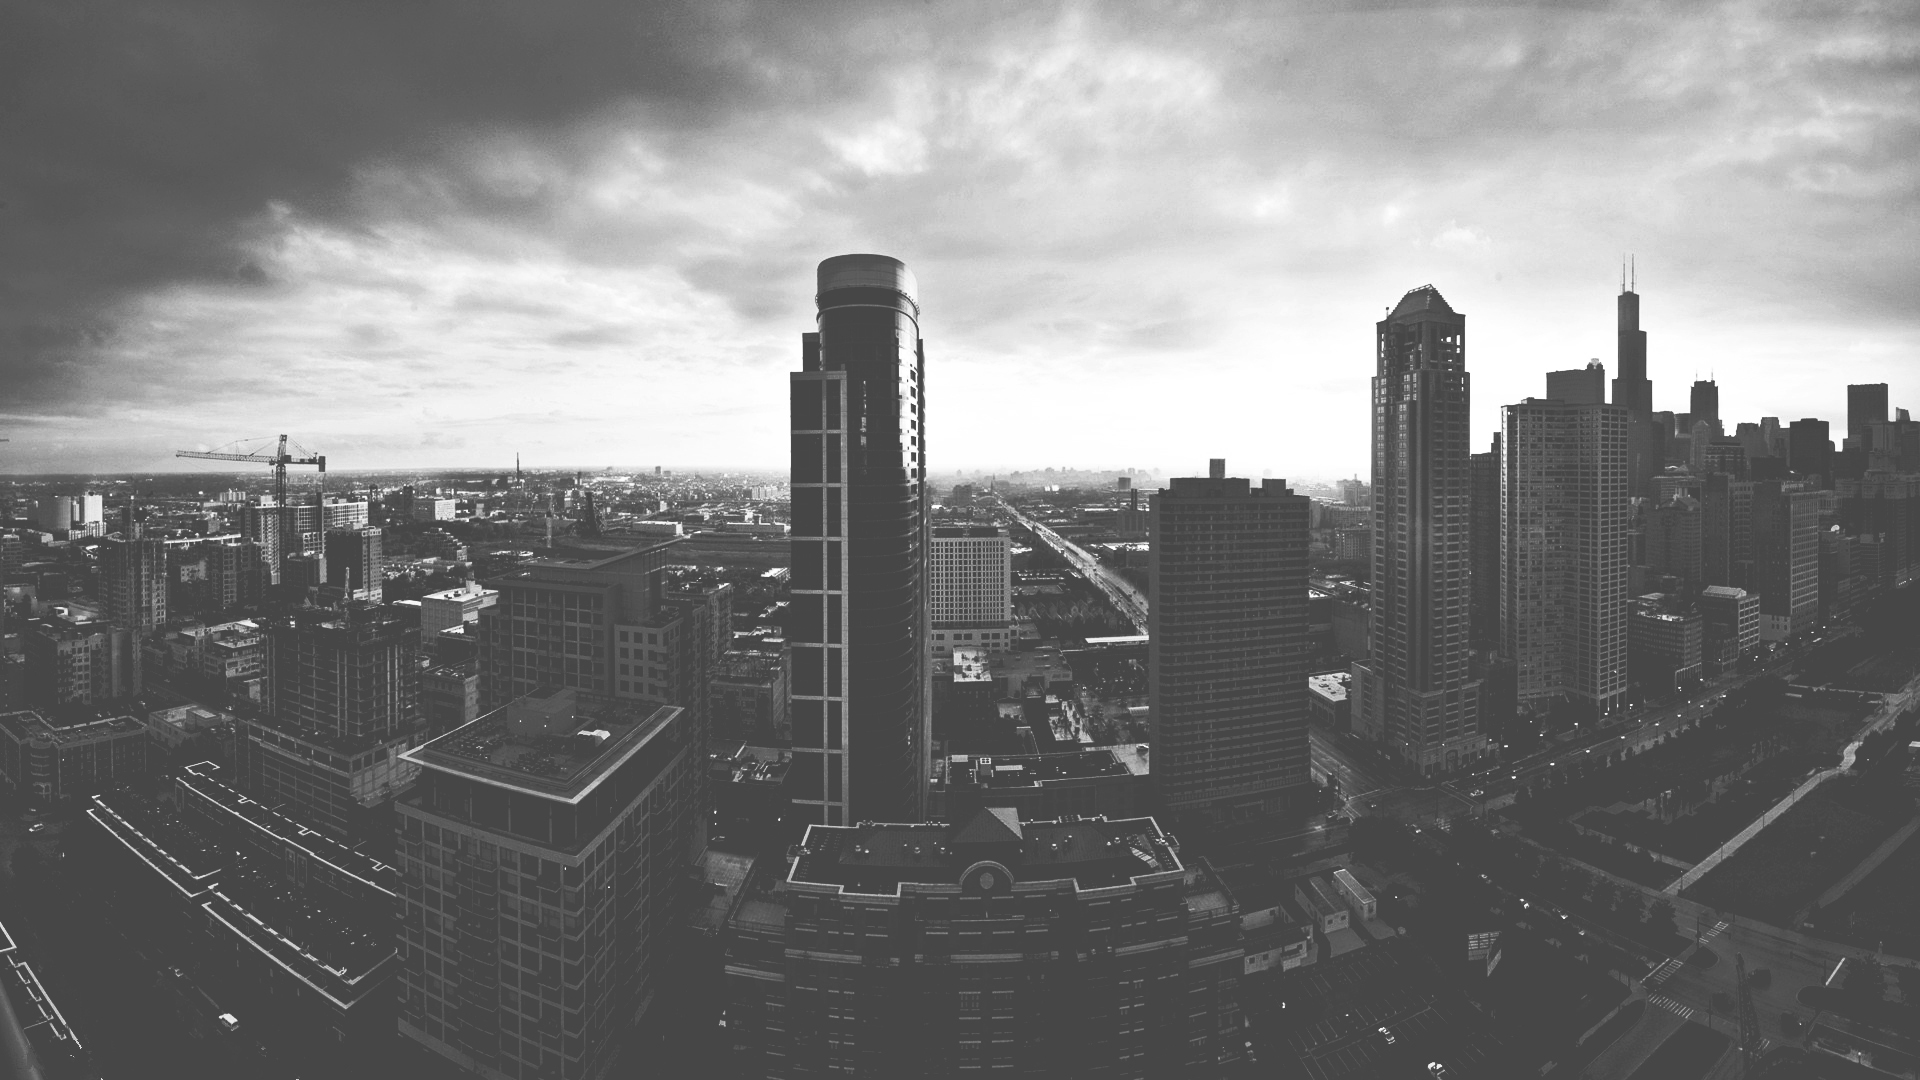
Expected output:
(554, 742)
(879, 859)
(1423, 298)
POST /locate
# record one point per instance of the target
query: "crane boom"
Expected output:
(278, 462)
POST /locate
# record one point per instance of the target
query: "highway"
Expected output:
(1129, 601)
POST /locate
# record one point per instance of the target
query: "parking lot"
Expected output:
(1326, 1020)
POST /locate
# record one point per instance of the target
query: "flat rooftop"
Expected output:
(1092, 853)
(338, 954)
(203, 779)
(1032, 770)
(1332, 686)
(558, 743)
(31, 726)
(968, 532)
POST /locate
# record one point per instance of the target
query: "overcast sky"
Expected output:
(433, 234)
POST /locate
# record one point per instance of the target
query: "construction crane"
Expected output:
(1749, 1022)
(278, 462)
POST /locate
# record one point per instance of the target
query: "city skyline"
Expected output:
(608, 265)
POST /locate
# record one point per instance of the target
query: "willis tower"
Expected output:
(858, 619)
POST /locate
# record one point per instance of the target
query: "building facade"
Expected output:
(1227, 644)
(345, 692)
(858, 622)
(1786, 558)
(970, 588)
(133, 577)
(356, 562)
(45, 761)
(1416, 692)
(545, 856)
(997, 945)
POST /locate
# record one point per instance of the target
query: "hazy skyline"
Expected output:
(431, 236)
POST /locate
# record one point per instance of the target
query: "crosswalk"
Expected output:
(1663, 972)
(1684, 1012)
(1715, 932)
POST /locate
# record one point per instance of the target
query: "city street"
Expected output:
(1126, 599)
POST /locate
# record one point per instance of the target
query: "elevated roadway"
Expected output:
(1129, 601)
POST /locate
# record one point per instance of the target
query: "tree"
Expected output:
(1660, 917)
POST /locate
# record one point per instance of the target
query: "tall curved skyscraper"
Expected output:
(858, 621)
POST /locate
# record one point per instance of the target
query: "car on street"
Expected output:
(1388, 1035)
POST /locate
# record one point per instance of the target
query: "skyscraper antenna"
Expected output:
(1623, 275)
(1633, 273)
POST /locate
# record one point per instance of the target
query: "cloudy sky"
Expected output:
(431, 234)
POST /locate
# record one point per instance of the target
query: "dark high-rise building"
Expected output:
(1227, 645)
(547, 854)
(1484, 544)
(1675, 532)
(1810, 448)
(356, 562)
(858, 623)
(1866, 406)
(1703, 403)
(1646, 437)
(1416, 691)
(1579, 386)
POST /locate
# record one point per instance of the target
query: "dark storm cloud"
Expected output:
(143, 141)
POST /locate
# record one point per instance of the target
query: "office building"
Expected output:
(1633, 391)
(609, 627)
(1579, 386)
(45, 761)
(1416, 691)
(69, 663)
(1667, 635)
(1675, 541)
(970, 588)
(345, 687)
(858, 622)
(546, 854)
(1730, 624)
(450, 695)
(1484, 546)
(1227, 644)
(133, 577)
(1866, 406)
(1563, 554)
(1703, 402)
(455, 607)
(303, 525)
(1726, 530)
(206, 579)
(749, 698)
(1786, 558)
(1810, 450)
(997, 945)
(1881, 513)
(356, 562)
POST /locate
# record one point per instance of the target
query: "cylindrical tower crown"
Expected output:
(865, 279)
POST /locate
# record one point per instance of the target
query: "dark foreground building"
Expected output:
(545, 853)
(1227, 652)
(1073, 948)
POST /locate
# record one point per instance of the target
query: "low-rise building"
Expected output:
(303, 973)
(1327, 704)
(170, 728)
(35, 1024)
(1055, 948)
(70, 663)
(450, 695)
(1358, 897)
(1110, 781)
(44, 761)
(452, 607)
(1321, 904)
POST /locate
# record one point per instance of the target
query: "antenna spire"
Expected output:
(1634, 274)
